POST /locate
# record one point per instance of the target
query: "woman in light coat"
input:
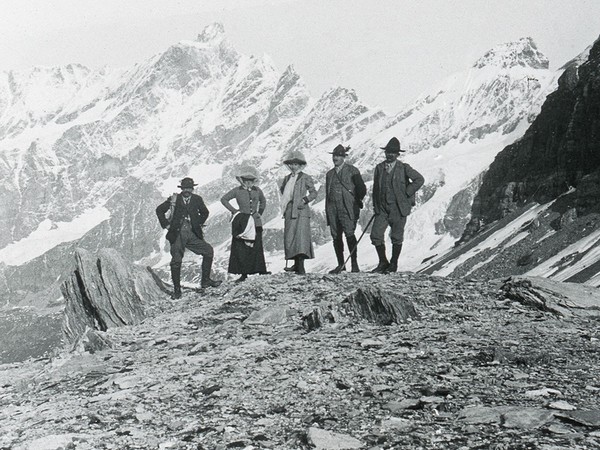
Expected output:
(247, 255)
(297, 191)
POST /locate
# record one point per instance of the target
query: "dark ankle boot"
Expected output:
(352, 247)
(383, 262)
(300, 265)
(338, 246)
(393, 267)
(176, 277)
(292, 268)
(242, 278)
(206, 267)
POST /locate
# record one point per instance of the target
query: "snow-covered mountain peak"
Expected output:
(213, 32)
(522, 53)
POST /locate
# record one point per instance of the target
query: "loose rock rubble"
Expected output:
(236, 367)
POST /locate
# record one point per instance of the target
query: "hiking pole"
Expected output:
(357, 242)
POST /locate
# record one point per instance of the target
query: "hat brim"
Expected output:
(240, 178)
(295, 161)
(183, 187)
(393, 150)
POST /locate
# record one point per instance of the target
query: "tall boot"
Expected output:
(383, 262)
(206, 267)
(176, 277)
(352, 247)
(338, 246)
(393, 267)
(300, 265)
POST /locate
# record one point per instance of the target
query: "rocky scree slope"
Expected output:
(289, 362)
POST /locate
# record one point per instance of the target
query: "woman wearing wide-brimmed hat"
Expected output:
(297, 191)
(247, 255)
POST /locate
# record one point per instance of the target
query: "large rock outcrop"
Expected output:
(367, 303)
(563, 299)
(561, 147)
(104, 292)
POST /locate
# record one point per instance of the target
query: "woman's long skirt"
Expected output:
(246, 259)
(297, 239)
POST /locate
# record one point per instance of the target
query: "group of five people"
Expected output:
(394, 186)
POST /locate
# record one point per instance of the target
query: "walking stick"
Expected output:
(356, 246)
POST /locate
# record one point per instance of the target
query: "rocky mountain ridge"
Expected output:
(540, 195)
(202, 109)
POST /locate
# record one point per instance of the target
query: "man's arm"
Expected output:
(202, 211)
(360, 190)
(161, 210)
(375, 197)
(416, 180)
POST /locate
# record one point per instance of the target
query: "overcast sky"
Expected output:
(389, 51)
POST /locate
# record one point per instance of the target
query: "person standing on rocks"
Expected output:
(394, 186)
(187, 214)
(247, 255)
(345, 190)
(297, 191)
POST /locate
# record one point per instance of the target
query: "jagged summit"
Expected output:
(523, 53)
(211, 32)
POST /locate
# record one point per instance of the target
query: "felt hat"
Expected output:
(340, 150)
(393, 146)
(187, 182)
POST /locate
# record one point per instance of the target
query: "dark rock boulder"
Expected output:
(366, 303)
(104, 292)
(378, 306)
(563, 299)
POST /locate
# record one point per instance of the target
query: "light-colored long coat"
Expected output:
(297, 235)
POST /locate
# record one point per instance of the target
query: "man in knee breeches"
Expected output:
(394, 186)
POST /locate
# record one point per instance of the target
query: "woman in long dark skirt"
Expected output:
(247, 255)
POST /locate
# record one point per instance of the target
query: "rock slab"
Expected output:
(329, 440)
(381, 307)
(104, 292)
(563, 299)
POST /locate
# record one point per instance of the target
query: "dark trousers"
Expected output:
(339, 221)
(188, 240)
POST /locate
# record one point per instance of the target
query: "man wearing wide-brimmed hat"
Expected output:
(394, 186)
(345, 190)
(185, 231)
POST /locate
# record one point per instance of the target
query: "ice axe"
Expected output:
(338, 270)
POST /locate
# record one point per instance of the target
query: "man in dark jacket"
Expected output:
(394, 186)
(185, 231)
(345, 190)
